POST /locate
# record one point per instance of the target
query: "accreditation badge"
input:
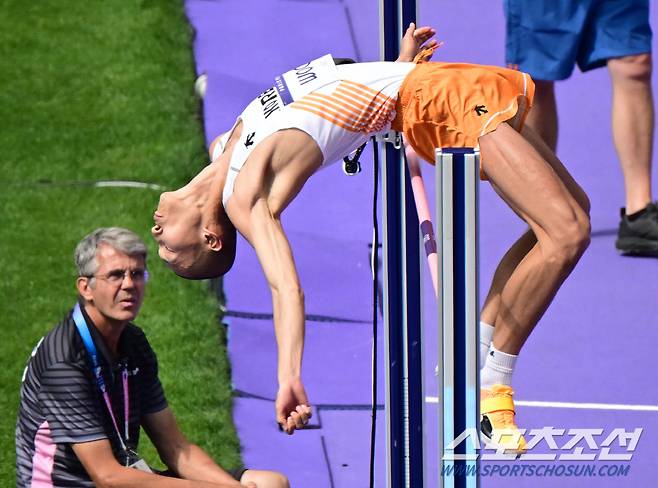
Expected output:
(132, 460)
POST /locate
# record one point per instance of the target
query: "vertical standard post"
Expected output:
(402, 312)
(457, 209)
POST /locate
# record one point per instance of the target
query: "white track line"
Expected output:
(581, 406)
(127, 184)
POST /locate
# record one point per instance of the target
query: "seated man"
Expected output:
(92, 381)
(319, 113)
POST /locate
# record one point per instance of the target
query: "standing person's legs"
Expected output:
(633, 125)
(543, 116)
(543, 38)
(618, 35)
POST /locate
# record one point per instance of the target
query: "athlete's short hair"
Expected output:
(209, 264)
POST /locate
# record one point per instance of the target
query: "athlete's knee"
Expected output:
(584, 202)
(631, 68)
(584, 236)
(580, 232)
(568, 239)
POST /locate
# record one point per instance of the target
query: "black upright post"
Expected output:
(404, 399)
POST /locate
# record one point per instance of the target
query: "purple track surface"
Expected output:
(594, 345)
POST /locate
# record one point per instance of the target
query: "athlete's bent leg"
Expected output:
(525, 243)
(532, 188)
(530, 274)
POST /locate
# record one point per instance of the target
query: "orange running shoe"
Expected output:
(497, 420)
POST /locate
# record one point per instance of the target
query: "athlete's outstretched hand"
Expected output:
(415, 40)
(292, 408)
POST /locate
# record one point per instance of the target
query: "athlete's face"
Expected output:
(176, 230)
(116, 290)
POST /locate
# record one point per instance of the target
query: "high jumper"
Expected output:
(321, 112)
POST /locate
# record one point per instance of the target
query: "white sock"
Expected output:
(486, 334)
(498, 368)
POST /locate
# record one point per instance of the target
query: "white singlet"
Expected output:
(340, 107)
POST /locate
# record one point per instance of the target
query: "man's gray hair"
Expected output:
(122, 240)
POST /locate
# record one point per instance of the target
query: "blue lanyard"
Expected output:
(83, 329)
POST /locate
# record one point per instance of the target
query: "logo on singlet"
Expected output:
(305, 73)
(481, 109)
(269, 101)
(250, 140)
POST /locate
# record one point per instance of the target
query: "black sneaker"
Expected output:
(638, 236)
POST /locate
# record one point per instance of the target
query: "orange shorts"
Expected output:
(454, 104)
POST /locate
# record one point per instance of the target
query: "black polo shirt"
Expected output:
(61, 404)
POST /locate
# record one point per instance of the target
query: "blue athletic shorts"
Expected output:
(545, 38)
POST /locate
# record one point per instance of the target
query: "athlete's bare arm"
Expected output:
(272, 176)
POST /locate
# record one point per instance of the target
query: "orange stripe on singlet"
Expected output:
(332, 103)
(352, 106)
(341, 118)
(363, 90)
(334, 120)
(347, 104)
(367, 119)
(366, 108)
(361, 118)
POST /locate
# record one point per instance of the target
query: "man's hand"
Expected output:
(292, 408)
(414, 40)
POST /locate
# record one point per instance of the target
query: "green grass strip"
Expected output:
(101, 90)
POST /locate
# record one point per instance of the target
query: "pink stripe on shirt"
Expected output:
(44, 458)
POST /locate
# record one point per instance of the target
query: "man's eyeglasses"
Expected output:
(116, 276)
